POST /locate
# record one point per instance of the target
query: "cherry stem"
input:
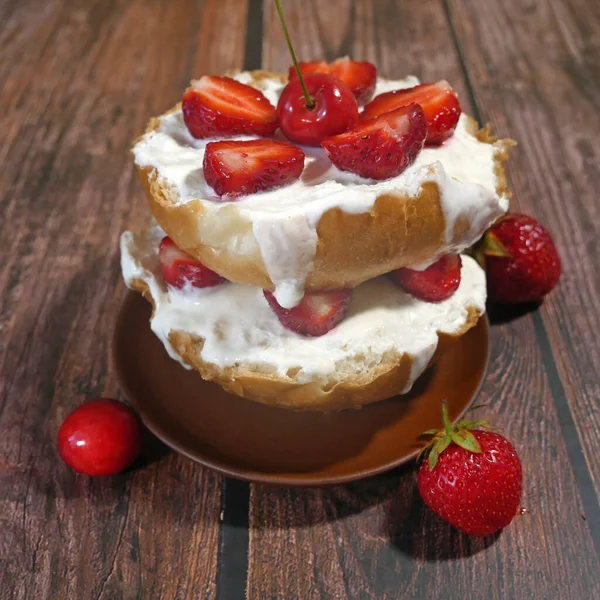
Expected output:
(310, 103)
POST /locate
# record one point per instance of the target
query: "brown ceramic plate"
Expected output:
(250, 441)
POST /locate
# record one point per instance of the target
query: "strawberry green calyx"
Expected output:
(489, 245)
(460, 434)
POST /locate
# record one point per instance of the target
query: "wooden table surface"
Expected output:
(78, 81)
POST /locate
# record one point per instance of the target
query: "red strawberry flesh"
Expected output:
(221, 106)
(316, 314)
(380, 148)
(306, 68)
(436, 283)
(244, 167)
(359, 76)
(180, 268)
(438, 100)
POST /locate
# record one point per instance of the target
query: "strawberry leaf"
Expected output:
(423, 452)
(492, 246)
(443, 444)
(429, 432)
(437, 448)
(465, 439)
(433, 458)
(474, 424)
(446, 418)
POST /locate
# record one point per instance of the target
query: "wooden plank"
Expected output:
(80, 81)
(374, 539)
(542, 84)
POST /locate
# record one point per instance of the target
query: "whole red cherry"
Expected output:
(101, 437)
(334, 111)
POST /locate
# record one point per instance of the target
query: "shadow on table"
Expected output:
(311, 506)
(499, 314)
(407, 526)
(153, 450)
(415, 530)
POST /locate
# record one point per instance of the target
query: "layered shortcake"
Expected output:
(314, 276)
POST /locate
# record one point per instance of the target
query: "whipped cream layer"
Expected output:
(284, 220)
(240, 329)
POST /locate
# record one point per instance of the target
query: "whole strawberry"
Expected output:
(520, 260)
(472, 479)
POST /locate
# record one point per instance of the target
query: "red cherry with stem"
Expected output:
(335, 109)
(101, 437)
(313, 108)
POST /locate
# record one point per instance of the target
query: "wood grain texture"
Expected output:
(537, 74)
(375, 539)
(80, 81)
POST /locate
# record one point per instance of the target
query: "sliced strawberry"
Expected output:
(438, 100)
(238, 168)
(179, 268)
(436, 283)
(359, 76)
(317, 313)
(380, 148)
(306, 68)
(221, 106)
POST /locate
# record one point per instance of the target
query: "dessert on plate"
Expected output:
(306, 244)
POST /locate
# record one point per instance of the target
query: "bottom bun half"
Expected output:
(230, 336)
